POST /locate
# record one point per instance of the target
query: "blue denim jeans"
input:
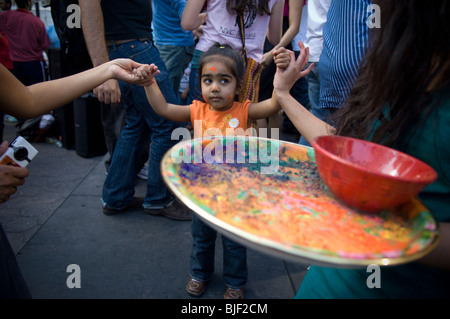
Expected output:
(235, 271)
(195, 89)
(313, 79)
(142, 125)
(177, 59)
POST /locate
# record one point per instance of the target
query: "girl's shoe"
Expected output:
(195, 288)
(231, 293)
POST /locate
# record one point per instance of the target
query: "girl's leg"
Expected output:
(203, 250)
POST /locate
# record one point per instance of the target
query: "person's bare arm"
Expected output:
(94, 35)
(30, 101)
(192, 17)
(295, 14)
(173, 112)
(306, 123)
(177, 113)
(275, 29)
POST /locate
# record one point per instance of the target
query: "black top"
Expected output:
(129, 19)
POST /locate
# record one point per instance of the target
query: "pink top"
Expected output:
(26, 35)
(221, 27)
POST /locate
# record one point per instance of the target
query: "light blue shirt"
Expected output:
(345, 37)
(166, 24)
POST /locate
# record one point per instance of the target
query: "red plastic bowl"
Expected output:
(368, 176)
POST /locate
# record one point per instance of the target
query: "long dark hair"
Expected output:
(407, 56)
(240, 6)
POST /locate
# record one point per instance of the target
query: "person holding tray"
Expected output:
(401, 99)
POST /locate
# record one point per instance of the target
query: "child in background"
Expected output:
(221, 74)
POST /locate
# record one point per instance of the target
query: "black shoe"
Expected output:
(135, 204)
(175, 211)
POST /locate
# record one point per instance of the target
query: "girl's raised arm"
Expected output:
(177, 113)
(173, 112)
(263, 109)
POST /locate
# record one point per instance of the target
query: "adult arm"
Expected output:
(30, 101)
(193, 17)
(295, 14)
(275, 29)
(94, 35)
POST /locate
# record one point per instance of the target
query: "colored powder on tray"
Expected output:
(292, 207)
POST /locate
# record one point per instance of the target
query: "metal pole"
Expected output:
(36, 6)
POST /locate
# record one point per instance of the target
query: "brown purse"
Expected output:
(253, 69)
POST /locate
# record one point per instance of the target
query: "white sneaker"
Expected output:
(143, 173)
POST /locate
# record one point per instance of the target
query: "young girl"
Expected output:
(219, 24)
(221, 71)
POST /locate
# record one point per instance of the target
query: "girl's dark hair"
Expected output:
(240, 6)
(409, 52)
(226, 54)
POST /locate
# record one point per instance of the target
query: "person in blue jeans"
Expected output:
(176, 46)
(126, 26)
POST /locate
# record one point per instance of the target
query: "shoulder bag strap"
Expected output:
(242, 32)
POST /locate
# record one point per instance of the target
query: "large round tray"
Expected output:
(266, 194)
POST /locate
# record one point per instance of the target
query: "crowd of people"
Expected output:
(388, 84)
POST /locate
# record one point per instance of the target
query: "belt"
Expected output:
(119, 42)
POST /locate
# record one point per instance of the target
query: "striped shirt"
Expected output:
(345, 37)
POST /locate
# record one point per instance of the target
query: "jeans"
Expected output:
(195, 90)
(177, 59)
(313, 79)
(142, 125)
(235, 271)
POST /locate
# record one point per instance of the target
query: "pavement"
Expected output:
(56, 227)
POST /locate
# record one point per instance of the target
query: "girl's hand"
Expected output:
(285, 78)
(146, 74)
(282, 57)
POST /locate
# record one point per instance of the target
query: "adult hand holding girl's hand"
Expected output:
(126, 70)
(146, 74)
(288, 72)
